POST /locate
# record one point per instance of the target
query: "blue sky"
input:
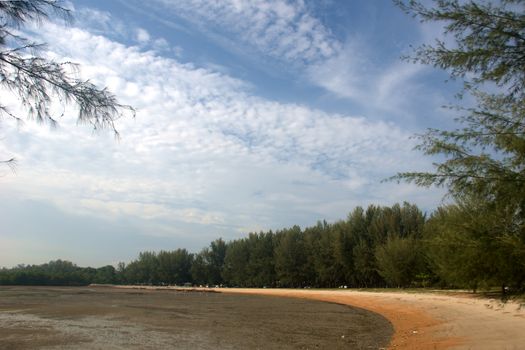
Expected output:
(251, 115)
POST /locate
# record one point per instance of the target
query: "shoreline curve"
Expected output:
(421, 321)
(413, 327)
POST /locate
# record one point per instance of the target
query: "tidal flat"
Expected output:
(111, 318)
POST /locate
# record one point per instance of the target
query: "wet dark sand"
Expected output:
(109, 318)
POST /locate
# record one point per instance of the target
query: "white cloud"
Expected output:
(289, 33)
(203, 150)
(142, 35)
(347, 74)
(100, 22)
(282, 29)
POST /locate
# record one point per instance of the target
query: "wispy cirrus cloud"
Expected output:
(282, 29)
(287, 35)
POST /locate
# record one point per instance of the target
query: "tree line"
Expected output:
(380, 246)
(57, 273)
(476, 242)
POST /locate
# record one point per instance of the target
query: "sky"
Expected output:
(250, 115)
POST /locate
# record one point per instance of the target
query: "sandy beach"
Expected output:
(430, 321)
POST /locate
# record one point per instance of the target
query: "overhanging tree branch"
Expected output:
(37, 82)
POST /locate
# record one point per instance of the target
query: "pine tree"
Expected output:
(485, 157)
